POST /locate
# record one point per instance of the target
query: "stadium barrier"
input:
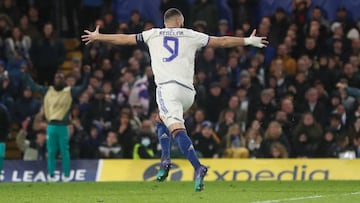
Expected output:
(219, 170)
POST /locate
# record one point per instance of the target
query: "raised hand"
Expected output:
(90, 37)
(255, 41)
(87, 69)
(341, 85)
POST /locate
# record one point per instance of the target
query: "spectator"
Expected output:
(279, 25)
(313, 105)
(34, 18)
(17, 46)
(139, 96)
(205, 10)
(91, 143)
(300, 85)
(327, 146)
(33, 149)
(7, 92)
(279, 79)
(108, 71)
(207, 62)
(76, 138)
(206, 142)
(136, 25)
(110, 24)
(39, 122)
(47, 54)
(9, 8)
(243, 95)
(335, 124)
(193, 124)
(308, 133)
(126, 134)
(111, 147)
(288, 63)
(354, 130)
(227, 119)
(273, 134)
(201, 84)
(317, 15)
(128, 79)
(216, 102)
(91, 57)
(26, 28)
(149, 128)
(100, 111)
(311, 48)
(343, 115)
(242, 11)
(300, 10)
(356, 144)
(92, 8)
(223, 28)
(27, 106)
(292, 117)
(350, 74)
(143, 150)
(253, 141)
(278, 151)
(77, 120)
(266, 104)
(253, 90)
(343, 18)
(233, 143)
(5, 32)
(343, 149)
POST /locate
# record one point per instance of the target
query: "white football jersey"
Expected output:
(172, 52)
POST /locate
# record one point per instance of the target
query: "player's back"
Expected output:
(172, 53)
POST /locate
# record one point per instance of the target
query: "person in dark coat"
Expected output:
(27, 106)
(47, 54)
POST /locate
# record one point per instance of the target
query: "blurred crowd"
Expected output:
(277, 102)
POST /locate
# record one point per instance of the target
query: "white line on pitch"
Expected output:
(303, 198)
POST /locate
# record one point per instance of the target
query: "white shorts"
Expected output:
(173, 100)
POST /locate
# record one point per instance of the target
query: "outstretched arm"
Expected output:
(228, 41)
(350, 90)
(77, 90)
(34, 86)
(117, 39)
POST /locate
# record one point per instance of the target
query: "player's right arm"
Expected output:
(34, 86)
(116, 39)
(228, 41)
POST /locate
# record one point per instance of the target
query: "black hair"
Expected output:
(172, 12)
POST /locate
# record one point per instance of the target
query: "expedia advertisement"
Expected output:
(235, 170)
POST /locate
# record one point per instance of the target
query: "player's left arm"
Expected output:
(228, 41)
(117, 39)
(77, 90)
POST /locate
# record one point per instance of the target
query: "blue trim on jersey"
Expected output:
(176, 82)
(207, 41)
(161, 101)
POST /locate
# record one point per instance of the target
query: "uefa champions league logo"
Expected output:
(175, 173)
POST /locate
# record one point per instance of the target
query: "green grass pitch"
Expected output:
(259, 192)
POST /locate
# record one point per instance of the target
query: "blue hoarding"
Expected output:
(36, 171)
